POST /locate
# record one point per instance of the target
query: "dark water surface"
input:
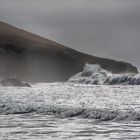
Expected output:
(45, 127)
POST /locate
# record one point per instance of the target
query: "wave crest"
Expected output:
(94, 74)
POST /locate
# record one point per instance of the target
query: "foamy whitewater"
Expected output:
(94, 74)
(71, 110)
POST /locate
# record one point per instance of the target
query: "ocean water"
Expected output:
(69, 111)
(94, 74)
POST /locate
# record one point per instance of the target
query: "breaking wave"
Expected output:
(94, 74)
(71, 100)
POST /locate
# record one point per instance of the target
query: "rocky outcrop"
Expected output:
(14, 82)
(33, 58)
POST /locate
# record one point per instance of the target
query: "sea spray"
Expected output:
(94, 74)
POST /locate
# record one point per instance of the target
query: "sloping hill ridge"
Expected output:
(36, 59)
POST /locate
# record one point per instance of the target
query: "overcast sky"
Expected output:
(106, 28)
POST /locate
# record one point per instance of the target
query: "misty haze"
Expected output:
(69, 70)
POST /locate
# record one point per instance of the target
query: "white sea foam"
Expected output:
(94, 74)
(73, 100)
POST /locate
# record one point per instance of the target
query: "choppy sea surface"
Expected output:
(68, 111)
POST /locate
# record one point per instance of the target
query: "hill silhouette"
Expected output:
(33, 58)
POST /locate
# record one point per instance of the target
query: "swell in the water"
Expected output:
(63, 112)
(94, 74)
(71, 100)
